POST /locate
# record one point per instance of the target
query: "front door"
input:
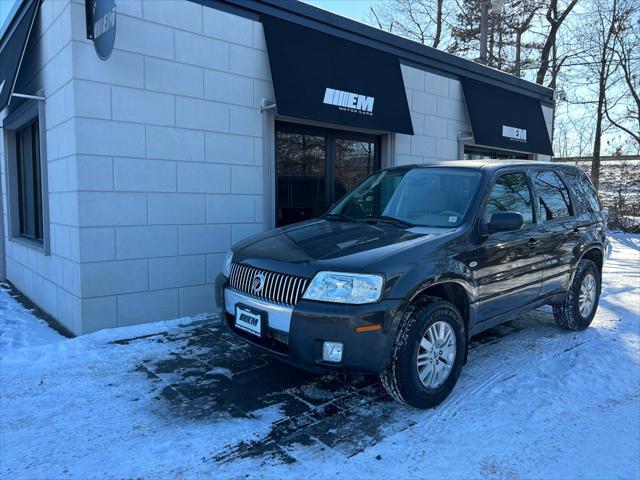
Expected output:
(509, 270)
(315, 167)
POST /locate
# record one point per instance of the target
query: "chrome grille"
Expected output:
(278, 287)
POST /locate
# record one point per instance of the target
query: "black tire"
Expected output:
(400, 378)
(567, 314)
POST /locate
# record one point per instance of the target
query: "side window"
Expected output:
(26, 175)
(585, 194)
(29, 182)
(553, 196)
(510, 193)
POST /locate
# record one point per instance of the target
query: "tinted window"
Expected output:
(585, 194)
(29, 181)
(436, 197)
(301, 166)
(354, 160)
(510, 193)
(553, 196)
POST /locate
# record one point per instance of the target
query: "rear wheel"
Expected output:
(581, 302)
(428, 354)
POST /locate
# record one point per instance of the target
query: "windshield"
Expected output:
(434, 197)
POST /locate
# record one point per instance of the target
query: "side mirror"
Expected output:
(505, 222)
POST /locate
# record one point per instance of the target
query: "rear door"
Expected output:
(560, 227)
(509, 265)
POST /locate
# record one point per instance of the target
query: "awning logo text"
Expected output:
(348, 101)
(513, 133)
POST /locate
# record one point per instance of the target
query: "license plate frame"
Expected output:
(246, 324)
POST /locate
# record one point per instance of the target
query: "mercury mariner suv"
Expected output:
(397, 276)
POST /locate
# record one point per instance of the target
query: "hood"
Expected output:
(305, 248)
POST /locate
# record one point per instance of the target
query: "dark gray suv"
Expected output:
(411, 263)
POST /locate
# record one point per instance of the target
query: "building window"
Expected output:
(26, 178)
(315, 167)
(29, 181)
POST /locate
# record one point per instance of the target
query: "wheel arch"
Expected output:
(453, 291)
(596, 255)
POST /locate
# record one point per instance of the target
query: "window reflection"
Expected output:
(301, 177)
(553, 196)
(354, 161)
(510, 194)
(315, 167)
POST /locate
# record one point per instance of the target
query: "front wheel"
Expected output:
(428, 354)
(581, 302)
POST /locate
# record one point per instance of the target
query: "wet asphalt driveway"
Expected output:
(212, 374)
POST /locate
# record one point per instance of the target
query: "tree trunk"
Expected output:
(595, 162)
(608, 34)
(492, 41)
(554, 21)
(518, 47)
(436, 38)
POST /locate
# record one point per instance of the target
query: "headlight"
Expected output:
(356, 288)
(226, 268)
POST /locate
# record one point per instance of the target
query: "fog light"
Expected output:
(332, 352)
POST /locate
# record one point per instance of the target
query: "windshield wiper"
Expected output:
(389, 219)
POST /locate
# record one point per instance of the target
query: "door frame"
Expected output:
(330, 135)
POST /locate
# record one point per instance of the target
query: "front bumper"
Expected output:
(296, 334)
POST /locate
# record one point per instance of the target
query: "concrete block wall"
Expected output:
(168, 157)
(51, 281)
(438, 113)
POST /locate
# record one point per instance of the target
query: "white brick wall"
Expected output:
(438, 113)
(168, 137)
(155, 160)
(52, 281)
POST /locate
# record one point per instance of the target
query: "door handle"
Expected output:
(532, 243)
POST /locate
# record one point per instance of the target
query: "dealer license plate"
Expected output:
(248, 321)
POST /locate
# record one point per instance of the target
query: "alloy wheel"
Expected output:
(436, 355)
(587, 296)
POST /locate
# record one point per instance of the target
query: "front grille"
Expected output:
(277, 287)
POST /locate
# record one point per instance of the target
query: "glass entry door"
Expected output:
(315, 167)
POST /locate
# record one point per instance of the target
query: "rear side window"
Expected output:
(585, 194)
(553, 196)
(510, 193)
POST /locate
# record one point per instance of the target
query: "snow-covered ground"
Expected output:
(537, 402)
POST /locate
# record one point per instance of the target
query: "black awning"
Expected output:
(504, 119)
(12, 46)
(322, 77)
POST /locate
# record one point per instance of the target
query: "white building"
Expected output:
(127, 180)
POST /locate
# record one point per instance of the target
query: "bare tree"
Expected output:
(623, 108)
(555, 18)
(518, 19)
(419, 20)
(511, 47)
(599, 32)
